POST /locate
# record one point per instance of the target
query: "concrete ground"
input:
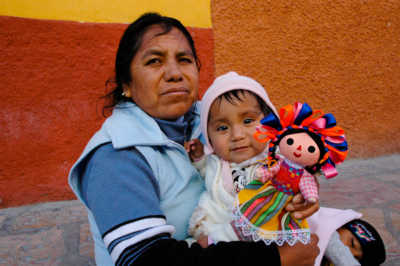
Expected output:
(58, 234)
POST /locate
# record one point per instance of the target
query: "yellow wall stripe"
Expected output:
(193, 13)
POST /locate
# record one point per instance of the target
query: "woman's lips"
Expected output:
(175, 91)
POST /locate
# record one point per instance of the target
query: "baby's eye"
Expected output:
(222, 128)
(289, 141)
(311, 149)
(248, 120)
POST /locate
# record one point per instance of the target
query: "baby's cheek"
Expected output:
(259, 146)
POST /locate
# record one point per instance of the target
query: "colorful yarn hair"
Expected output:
(301, 116)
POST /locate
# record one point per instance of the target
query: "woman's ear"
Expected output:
(126, 91)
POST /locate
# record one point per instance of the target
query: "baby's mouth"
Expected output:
(297, 155)
(239, 148)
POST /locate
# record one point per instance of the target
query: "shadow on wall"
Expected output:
(54, 73)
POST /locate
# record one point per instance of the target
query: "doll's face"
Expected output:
(299, 148)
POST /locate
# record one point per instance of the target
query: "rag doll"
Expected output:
(301, 144)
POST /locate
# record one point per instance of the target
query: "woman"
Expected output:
(134, 175)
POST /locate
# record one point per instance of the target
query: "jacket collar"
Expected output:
(131, 126)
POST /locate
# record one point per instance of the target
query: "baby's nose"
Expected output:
(299, 148)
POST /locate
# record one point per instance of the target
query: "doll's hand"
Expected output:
(195, 149)
(300, 208)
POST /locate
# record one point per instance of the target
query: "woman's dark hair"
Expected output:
(312, 169)
(129, 45)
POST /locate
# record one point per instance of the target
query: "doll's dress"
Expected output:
(260, 212)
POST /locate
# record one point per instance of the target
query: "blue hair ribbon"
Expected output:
(305, 112)
(330, 120)
(272, 120)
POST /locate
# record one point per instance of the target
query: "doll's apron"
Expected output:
(261, 211)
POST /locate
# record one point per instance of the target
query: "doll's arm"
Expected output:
(308, 187)
(265, 173)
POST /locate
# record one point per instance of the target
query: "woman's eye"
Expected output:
(222, 128)
(186, 60)
(289, 141)
(153, 61)
(311, 149)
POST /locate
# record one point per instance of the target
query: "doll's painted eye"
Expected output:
(289, 141)
(311, 149)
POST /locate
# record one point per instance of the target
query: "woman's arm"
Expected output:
(299, 254)
(120, 190)
(175, 252)
(123, 196)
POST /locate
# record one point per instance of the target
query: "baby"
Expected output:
(231, 110)
(345, 239)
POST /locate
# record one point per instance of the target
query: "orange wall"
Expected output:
(52, 75)
(340, 56)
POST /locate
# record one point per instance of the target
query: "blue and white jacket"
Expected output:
(174, 191)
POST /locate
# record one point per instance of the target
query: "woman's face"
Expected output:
(164, 74)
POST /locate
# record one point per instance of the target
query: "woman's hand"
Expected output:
(299, 254)
(301, 208)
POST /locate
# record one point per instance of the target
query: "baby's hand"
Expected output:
(195, 149)
(203, 241)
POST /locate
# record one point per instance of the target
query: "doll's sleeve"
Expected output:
(308, 186)
(265, 173)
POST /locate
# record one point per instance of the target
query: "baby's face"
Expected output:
(351, 241)
(231, 127)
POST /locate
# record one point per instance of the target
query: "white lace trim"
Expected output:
(269, 237)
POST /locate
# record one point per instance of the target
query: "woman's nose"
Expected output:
(299, 148)
(173, 71)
